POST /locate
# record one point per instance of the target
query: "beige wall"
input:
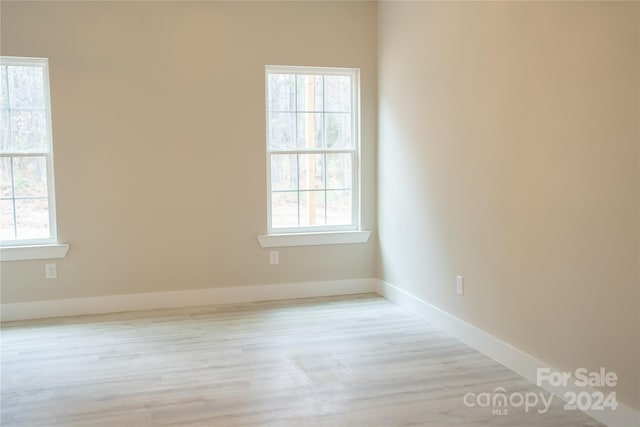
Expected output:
(159, 139)
(508, 153)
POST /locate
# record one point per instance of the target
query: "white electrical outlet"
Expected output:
(51, 271)
(460, 285)
(274, 257)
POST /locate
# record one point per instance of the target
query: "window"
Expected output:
(312, 149)
(27, 205)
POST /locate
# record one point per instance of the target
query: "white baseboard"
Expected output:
(513, 358)
(174, 299)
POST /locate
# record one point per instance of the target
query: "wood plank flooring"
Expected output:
(339, 361)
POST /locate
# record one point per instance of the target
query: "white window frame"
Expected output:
(325, 234)
(43, 248)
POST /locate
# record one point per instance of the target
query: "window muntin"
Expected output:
(312, 149)
(27, 205)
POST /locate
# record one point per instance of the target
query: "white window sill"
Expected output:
(313, 239)
(23, 253)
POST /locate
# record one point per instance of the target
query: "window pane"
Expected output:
(284, 209)
(4, 90)
(310, 115)
(337, 93)
(309, 93)
(338, 130)
(26, 87)
(29, 130)
(309, 130)
(284, 172)
(7, 231)
(282, 131)
(24, 128)
(6, 189)
(339, 207)
(33, 219)
(30, 176)
(282, 92)
(5, 136)
(339, 171)
(312, 211)
(311, 168)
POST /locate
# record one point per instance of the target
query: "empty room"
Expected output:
(319, 213)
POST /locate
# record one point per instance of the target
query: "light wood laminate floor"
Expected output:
(339, 361)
